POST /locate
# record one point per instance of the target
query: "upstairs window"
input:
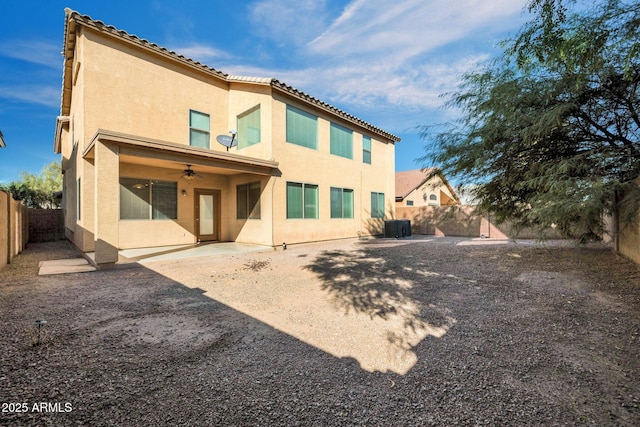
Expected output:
(199, 129)
(366, 150)
(249, 128)
(302, 128)
(341, 141)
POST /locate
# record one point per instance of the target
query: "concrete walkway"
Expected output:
(61, 266)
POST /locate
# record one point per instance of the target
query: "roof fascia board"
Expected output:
(154, 144)
(61, 122)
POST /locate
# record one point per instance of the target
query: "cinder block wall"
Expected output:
(4, 229)
(460, 221)
(45, 225)
(14, 228)
(627, 238)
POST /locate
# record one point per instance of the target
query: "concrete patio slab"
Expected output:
(166, 253)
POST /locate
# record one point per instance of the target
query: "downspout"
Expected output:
(273, 184)
(361, 206)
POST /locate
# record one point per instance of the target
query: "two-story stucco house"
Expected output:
(138, 134)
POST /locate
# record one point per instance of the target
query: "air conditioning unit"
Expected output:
(397, 228)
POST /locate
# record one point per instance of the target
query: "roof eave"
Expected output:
(68, 51)
(61, 122)
(308, 99)
(166, 146)
(73, 19)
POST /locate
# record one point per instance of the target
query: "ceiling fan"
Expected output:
(189, 173)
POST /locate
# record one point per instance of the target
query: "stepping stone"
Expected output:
(62, 266)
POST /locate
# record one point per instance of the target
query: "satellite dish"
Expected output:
(227, 141)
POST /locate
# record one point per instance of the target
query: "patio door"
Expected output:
(207, 213)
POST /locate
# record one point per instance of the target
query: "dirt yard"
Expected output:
(426, 331)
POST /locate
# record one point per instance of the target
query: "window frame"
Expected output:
(251, 212)
(342, 191)
(152, 208)
(337, 147)
(366, 153)
(241, 137)
(375, 211)
(289, 133)
(303, 211)
(197, 130)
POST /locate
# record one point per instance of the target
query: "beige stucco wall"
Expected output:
(243, 97)
(124, 89)
(138, 93)
(305, 165)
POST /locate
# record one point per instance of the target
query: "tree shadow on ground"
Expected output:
(376, 280)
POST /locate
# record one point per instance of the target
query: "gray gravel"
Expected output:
(520, 335)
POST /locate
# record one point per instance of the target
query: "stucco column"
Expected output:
(107, 207)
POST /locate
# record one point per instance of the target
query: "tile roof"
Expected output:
(74, 18)
(407, 181)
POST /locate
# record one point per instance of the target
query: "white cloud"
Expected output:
(407, 28)
(200, 52)
(383, 59)
(33, 94)
(288, 21)
(387, 95)
(34, 51)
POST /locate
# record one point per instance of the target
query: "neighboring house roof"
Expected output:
(74, 18)
(407, 181)
(2, 144)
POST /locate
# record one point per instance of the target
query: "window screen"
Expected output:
(302, 128)
(199, 128)
(302, 200)
(249, 128)
(341, 141)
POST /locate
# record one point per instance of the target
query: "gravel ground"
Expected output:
(426, 331)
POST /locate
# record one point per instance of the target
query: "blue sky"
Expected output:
(385, 62)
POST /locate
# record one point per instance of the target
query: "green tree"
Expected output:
(38, 191)
(550, 130)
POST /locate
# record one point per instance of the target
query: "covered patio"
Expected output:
(176, 195)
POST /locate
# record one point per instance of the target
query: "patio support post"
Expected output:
(107, 206)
